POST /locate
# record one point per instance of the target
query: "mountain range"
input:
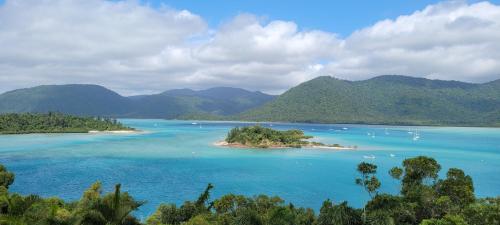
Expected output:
(388, 99)
(385, 100)
(94, 100)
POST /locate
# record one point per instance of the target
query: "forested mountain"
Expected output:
(222, 100)
(385, 100)
(80, 99)
(381, 100)
(76, 99)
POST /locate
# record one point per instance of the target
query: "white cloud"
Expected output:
(450, 40)
(133, 48)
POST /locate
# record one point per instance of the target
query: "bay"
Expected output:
(173, 161)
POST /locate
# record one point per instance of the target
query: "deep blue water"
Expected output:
(173, 161)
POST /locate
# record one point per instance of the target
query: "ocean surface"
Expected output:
(173, 161)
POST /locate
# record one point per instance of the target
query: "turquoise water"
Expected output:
(173, 161)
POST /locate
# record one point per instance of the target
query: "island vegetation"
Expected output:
(25, 123)
(263, 137)
(424, 199)
(395, 100)
(389, 99)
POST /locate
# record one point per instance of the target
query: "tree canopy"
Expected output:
(446, 201)
(13, 123)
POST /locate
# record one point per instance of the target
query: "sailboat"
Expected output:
(416, 136)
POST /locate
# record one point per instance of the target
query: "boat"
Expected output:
(369, 156)
(416, 136)
(194, 123)
(392, 155)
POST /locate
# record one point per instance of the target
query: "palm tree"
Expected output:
(112, 209)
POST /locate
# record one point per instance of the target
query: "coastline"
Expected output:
(114, 131)
(238, 145)
(342, 123)
(77, 132)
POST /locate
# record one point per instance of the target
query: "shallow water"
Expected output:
(173, 161)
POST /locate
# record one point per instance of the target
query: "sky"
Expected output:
(148, 46)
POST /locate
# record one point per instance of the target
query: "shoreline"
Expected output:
(238, 145)
(114, 131)
(381, 124)
(79, 132)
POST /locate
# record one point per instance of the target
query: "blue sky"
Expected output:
(341, 17)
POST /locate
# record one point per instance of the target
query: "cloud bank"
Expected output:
(135, 49)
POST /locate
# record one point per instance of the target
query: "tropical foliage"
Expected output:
(55, 123)
(263, 137)
(385, 100)
(424, 199)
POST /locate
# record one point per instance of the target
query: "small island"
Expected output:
(26, 123)
(262, 137)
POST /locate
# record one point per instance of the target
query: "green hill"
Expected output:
(75, 99)
(380, 100)
(94, 100)
(385, 100)
(221, 100)
(25, 123)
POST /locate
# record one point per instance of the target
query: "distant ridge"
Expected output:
(388, 99)
(76, 99)
(95, 100)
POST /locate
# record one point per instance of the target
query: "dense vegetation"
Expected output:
(385, 100)
(424, 199)
(263, 137)
(94, 100)
(24, 123)
(381, 100)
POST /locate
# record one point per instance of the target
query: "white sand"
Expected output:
(114, 132)
(225, 144)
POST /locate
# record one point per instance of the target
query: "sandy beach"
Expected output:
(115, 132)
(238, 145)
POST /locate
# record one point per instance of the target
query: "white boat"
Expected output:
(369, 156)
(345, 128)
(392, 155)
(194, 123)
(416, 136)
